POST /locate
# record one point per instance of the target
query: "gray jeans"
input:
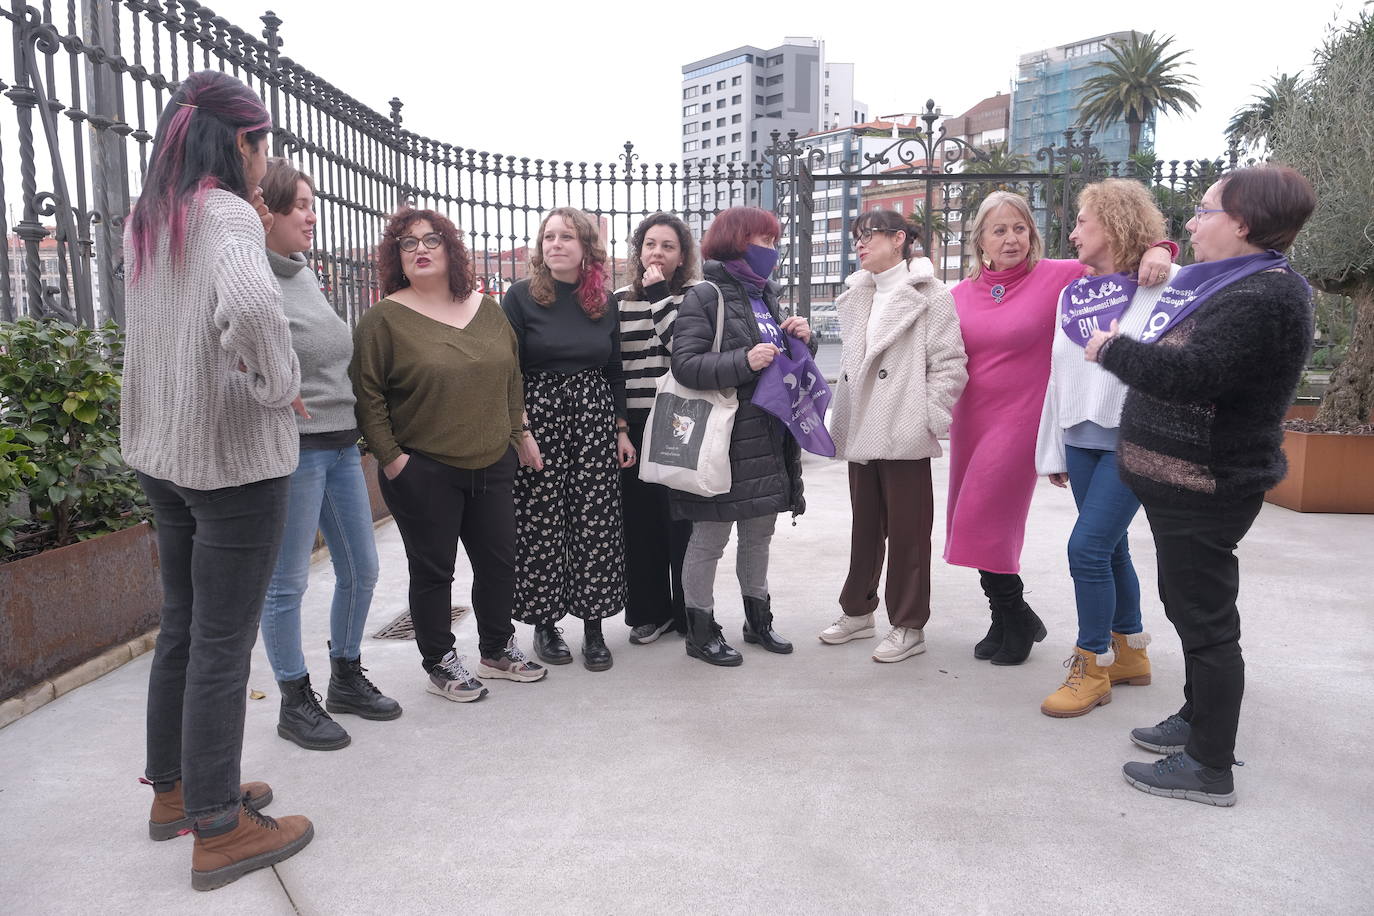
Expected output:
(704, 551)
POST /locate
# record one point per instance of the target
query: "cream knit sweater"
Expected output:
(904, 365)
(189, 414)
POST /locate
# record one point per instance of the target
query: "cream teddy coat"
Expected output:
(894, 398)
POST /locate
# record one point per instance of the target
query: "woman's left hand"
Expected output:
(1096, 342)
(797, 326)
(623, 449)
(1154, 267)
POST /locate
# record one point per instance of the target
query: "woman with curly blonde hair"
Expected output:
(1118, 219)
(567, 493)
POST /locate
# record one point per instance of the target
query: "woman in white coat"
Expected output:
(903, 362)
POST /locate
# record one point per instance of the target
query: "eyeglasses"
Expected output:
(1199, 212)
(866, 236)
(431, 240)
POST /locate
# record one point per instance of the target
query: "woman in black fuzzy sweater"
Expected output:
(1201, 442)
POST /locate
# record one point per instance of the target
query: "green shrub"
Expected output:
(60, 408)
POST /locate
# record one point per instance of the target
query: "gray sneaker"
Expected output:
(1180, 776)
(512, 665)
(1168, 737)
(451, 680)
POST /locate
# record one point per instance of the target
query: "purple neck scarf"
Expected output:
(1093, 303)
(1196, 283)
(743, 271)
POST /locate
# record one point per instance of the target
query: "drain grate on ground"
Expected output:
(403, 628)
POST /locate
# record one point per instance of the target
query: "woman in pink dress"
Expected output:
(1007, 309)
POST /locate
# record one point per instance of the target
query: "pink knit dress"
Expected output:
(992, 438)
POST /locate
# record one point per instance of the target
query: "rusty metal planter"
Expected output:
(62, 607)
(1327, 472)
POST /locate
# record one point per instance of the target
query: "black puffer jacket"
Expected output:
(765, 461)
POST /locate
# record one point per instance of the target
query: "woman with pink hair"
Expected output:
(210, 381)
(570, 554)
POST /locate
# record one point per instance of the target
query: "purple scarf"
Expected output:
(793, 389)
(1093, 303)
(741, 271)
(1196, 283)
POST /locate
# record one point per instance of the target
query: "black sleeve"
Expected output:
(694, 332)
(512, 304)
(615, 369)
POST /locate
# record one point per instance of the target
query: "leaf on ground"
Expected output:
(256, 695)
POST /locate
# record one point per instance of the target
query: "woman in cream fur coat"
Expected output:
(904, 368)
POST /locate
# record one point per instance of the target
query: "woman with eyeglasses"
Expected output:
(436, 373)
(575, 440)
(903, 369)
(1211, 379)
(1007, 307)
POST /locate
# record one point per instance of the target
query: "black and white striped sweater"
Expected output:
(646, 338)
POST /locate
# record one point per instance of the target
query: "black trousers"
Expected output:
(217, 549)
(655, 544)
(435, 506)
(1199, 578)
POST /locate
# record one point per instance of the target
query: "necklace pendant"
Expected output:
(998, 292)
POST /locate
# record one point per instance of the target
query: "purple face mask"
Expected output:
(761, 260)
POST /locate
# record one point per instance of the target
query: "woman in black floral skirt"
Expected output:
(567, 493)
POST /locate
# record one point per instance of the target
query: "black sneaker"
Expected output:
(1180, 776)
(451, 680)
(646, 633)
(1168, 737)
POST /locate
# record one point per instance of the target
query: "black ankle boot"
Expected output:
(987, 647)
(704, 640)
(549, 644)
(758, 625)
(350, 691)
(1021, 629)
(303, 721)
(595, 655)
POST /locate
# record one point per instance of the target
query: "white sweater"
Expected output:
(1081, 391)
(904, 365)
(188, 414)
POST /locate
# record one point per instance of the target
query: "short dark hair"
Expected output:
(888, 221)
(729, 234)
(460, 275)
(1273, 201)
(279, 184)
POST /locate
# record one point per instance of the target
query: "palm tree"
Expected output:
(1141, 80)
(998, 160)
(1250, 125)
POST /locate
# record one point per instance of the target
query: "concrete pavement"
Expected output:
(814, 783)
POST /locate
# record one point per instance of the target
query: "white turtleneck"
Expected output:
(885, 283)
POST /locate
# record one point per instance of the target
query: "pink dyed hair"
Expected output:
(195, 151)
(591, 275)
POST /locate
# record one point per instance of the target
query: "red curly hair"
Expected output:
(460, 279)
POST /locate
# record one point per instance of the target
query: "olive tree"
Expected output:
(1328, 135)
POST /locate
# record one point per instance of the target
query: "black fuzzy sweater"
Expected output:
(1203, 419)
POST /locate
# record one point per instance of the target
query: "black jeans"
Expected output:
(1198, 582)
(217, 549)
(436, 505)
(655, 544)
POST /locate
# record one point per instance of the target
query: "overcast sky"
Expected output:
(575, 80)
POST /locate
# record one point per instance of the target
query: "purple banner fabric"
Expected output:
(793, 389)
(1194, 284)
(1093, 303)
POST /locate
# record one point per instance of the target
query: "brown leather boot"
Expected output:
(169, 819)
(257, 842)
(1132, 665)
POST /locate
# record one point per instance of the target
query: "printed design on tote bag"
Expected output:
(675, 420)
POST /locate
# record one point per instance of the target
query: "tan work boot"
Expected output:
(257, 842)
(168, 818)
(1132, 665)
(1085, 687)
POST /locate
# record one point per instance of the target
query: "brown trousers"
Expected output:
(893, 507)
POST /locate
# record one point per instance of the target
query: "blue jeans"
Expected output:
(328, 494)
(215, 548)
(1104, 581)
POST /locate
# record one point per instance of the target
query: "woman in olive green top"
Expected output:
(436, 372)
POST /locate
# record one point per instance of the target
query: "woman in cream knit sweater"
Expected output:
(903, 365)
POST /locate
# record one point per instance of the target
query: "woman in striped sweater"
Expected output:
(1076, 447)
(663, 263)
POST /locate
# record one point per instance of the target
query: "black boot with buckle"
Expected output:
(758, 626)
(704, 640)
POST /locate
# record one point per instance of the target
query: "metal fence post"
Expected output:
(109, 197)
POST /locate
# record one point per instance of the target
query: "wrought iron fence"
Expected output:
(95, 79)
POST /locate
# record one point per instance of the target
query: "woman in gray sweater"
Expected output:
(327, 492)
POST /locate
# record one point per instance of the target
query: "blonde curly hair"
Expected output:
(1130, 216)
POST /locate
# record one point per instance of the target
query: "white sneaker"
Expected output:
(900, 643)
(846, 628)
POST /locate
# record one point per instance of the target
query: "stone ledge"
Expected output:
(42, 694)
